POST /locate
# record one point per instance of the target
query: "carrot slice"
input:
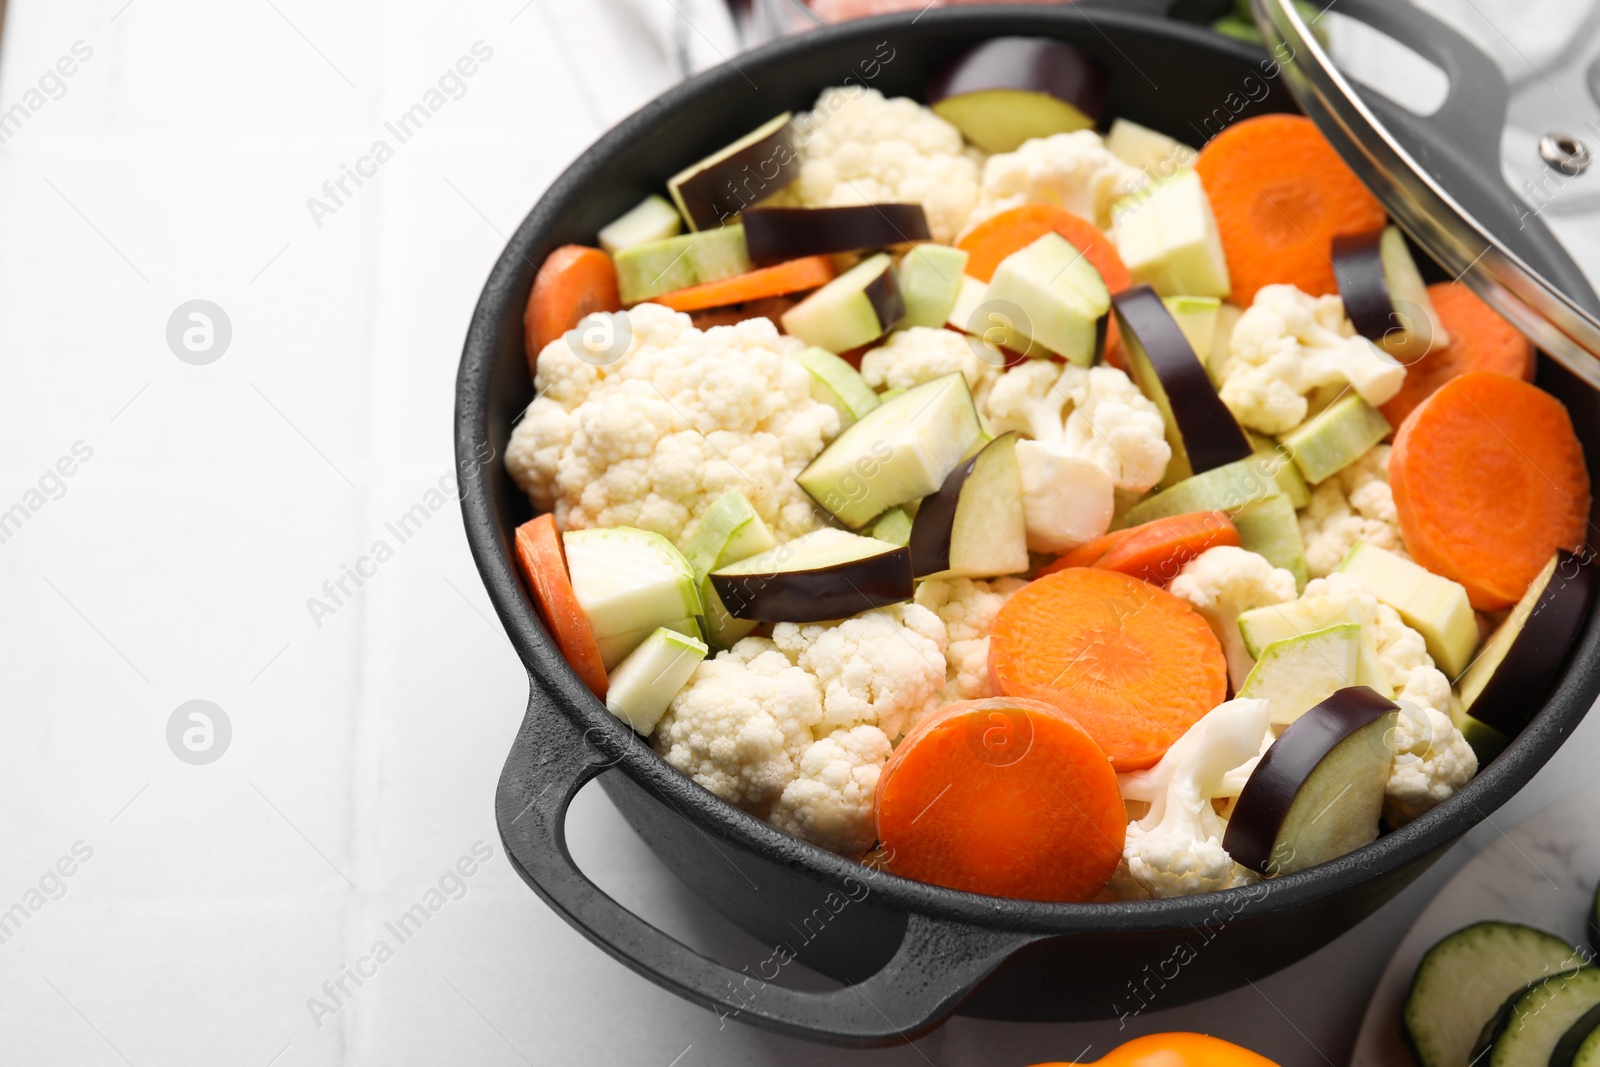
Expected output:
(776, 280)
(1088, 553)
(544, 565)
(1480, 339)
(573, 282)
(1133, 664)
(1002, 796)
(995, 238)
(1156, 551)
(1489, 479)
(1281, 193)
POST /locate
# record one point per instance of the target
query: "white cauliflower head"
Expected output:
(1031, 399)
(857, 147)
(1176, 848)
(1354, 505)
(968, 609)
(1095, 412)
(796, 729)
(1067, 499)
(685, 415)
(920, 354)
(883, 668)
(1288, 343)
(1431, 761)
(1222, 582)
(739, 725)
(1070, 170)
(829, 802)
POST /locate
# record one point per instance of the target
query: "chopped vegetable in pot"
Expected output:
(1052, 525)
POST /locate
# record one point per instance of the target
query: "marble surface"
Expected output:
(179, 562)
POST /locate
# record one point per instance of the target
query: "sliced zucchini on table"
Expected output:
(1527, 1029)
(1464, 979)
(1580, 1045)
(1588, 1053)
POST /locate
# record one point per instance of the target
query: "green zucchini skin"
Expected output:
(1465, 980)
(1538, 1019)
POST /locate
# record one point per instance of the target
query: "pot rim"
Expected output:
(548, 671)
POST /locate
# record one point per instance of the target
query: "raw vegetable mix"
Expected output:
(1042, 512)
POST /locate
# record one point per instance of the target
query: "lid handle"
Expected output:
(1414, 197)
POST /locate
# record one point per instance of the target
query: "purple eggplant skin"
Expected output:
(1363, 285)
(776, 234)
(819, 595)
(883, 293)
(1027, 64)
(1516, 690)
(1272, 787)
(1211, 435)
(721, 191)
(932, 529)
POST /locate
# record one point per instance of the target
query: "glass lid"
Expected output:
(1476, 130)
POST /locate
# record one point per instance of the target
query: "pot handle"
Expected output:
(937, 964)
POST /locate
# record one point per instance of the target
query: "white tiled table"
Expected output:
(178, 561)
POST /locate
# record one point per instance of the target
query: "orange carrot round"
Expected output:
(995, 238)
(776, 280)
(1156, 551)
(573, 282)
(1281, 193)
(1003, 796)
(1133, 664)
(544, 565)
(1489, 479)
(1480, 339)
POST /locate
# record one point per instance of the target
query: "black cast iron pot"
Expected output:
(915, 953)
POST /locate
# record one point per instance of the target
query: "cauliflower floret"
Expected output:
(741, 723)
(685, 415)
(1220, 583)
(1032, 399)
(883, 668)
(921, 354)
(796, 728)
(1095, 412)
(856, 147)
(968, 609)
(1431, 761)
(1287, 344)
(1404, 655)
(1071, 170)
(1176, 848)
(1118, 427)
(829, 803)
(1067, 499)
(1354, 505)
